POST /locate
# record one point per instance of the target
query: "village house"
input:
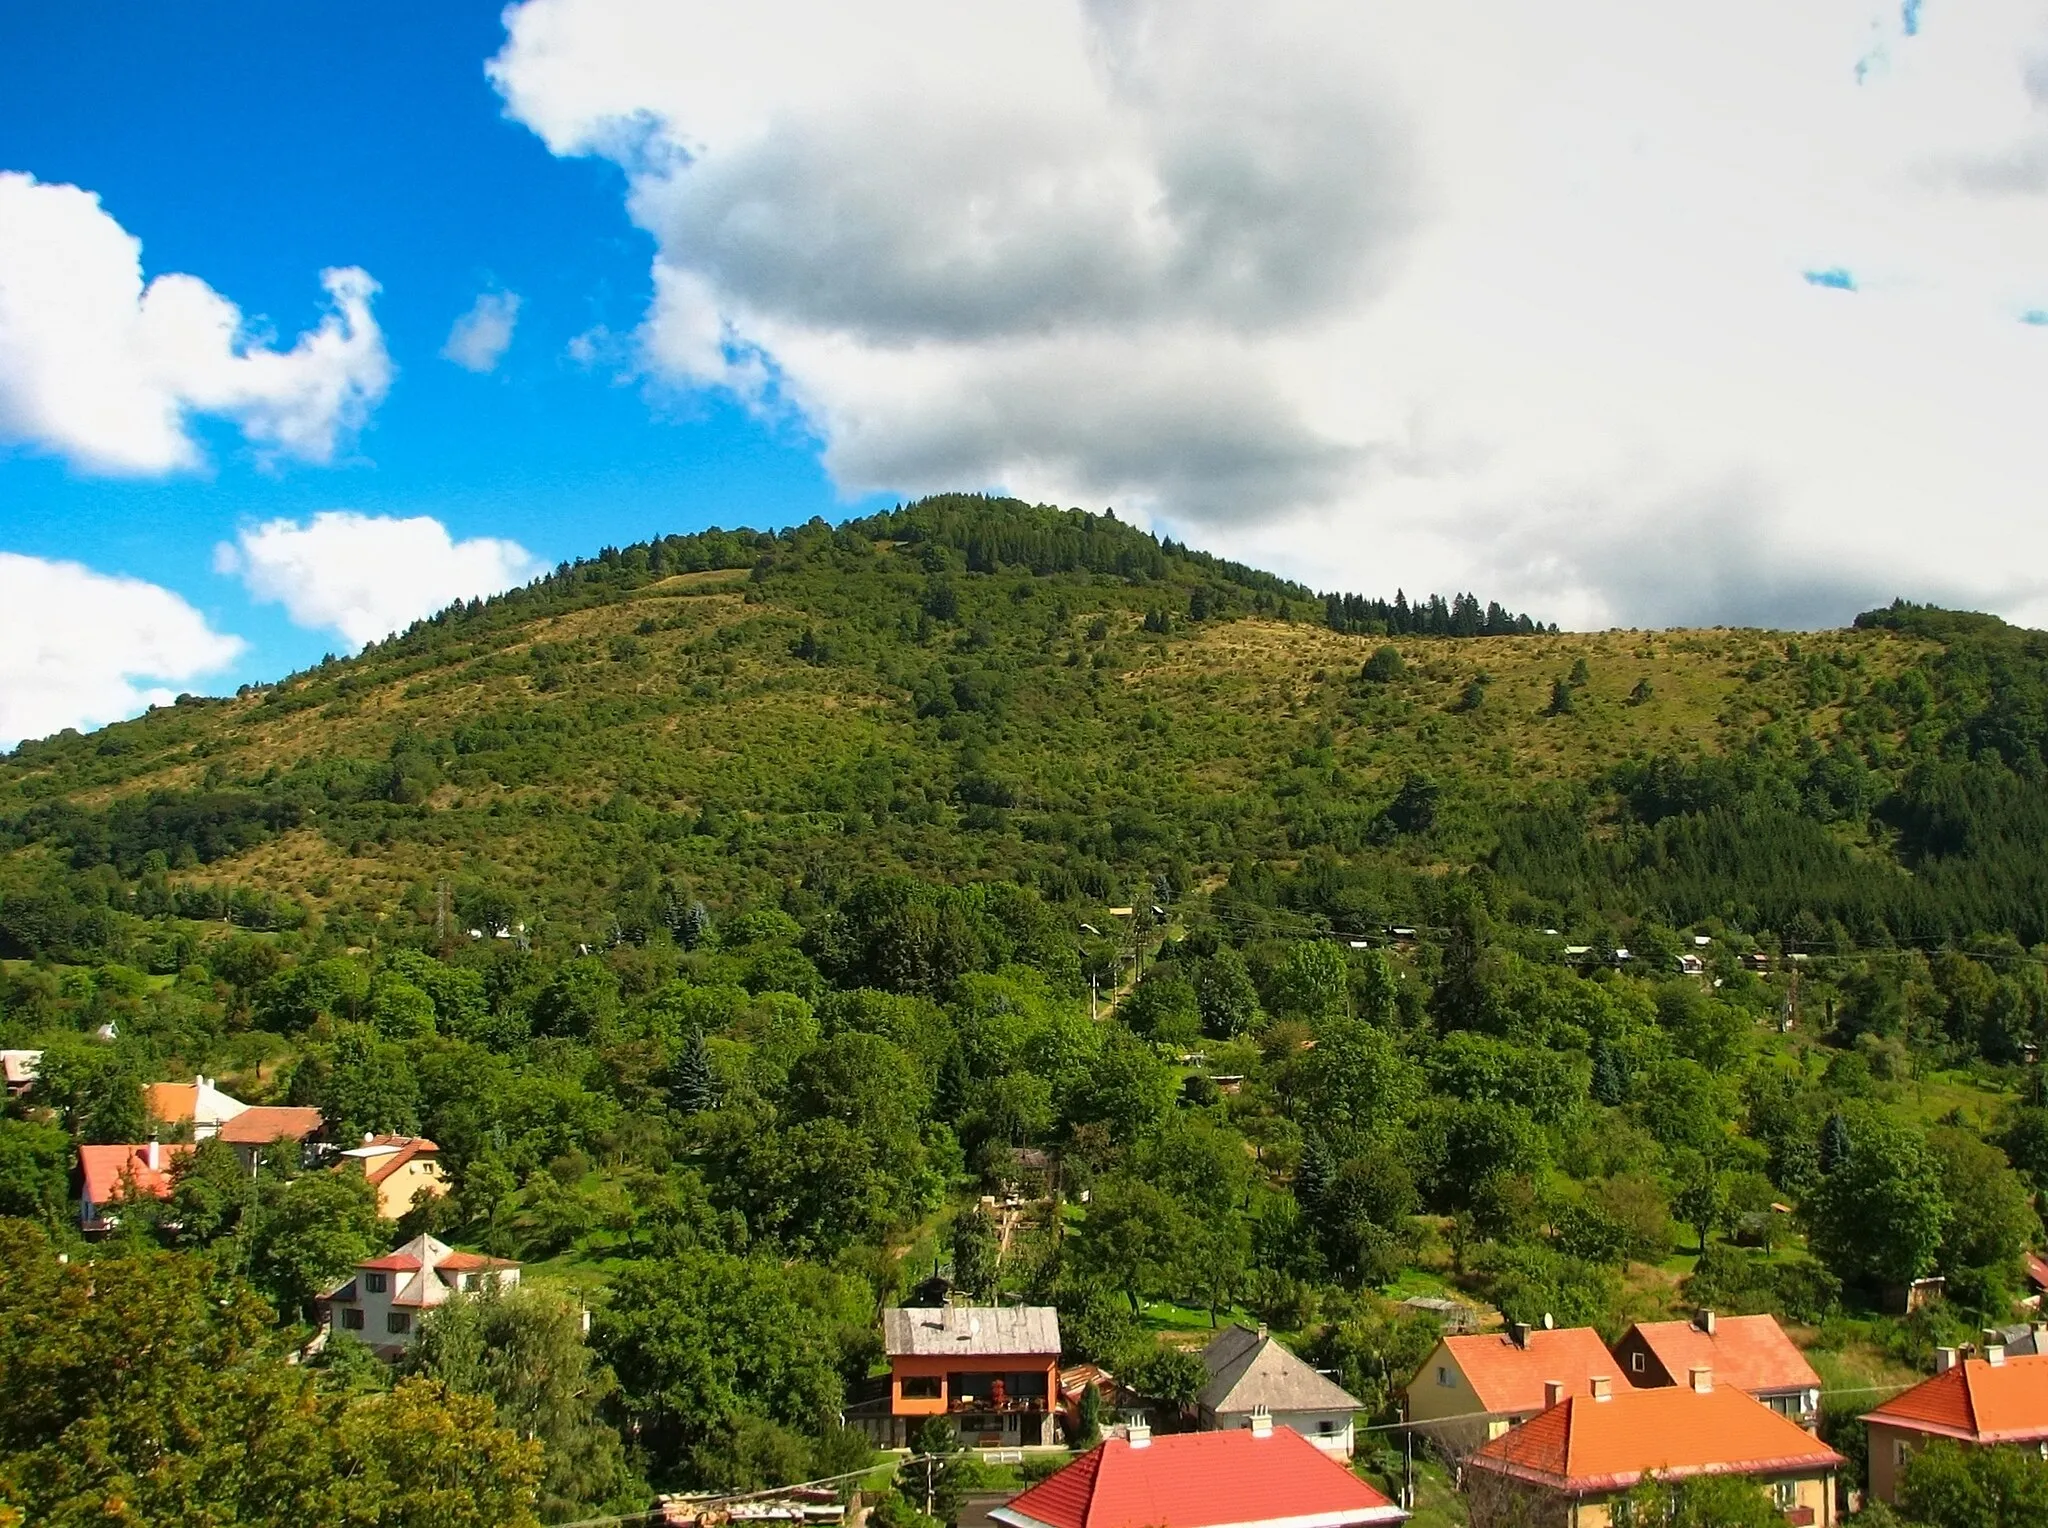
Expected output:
(383, 1302)
(1750, 1353)
(196, 1108)
(262, 1128)
(401, 1167)
(1975, 1401)
(1565, 1467)
(18, 1070)
(1476, 1387)
(1257, 1477)
(112, 1173)
(994, 1370)
(1251, 1375)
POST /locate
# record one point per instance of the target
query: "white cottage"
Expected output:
(382, 1305)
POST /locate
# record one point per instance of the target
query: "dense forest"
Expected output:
(735, 910)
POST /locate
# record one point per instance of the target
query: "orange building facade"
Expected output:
(993, 1370)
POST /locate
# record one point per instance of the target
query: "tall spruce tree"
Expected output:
(693, 1087)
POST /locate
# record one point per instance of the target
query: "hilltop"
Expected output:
(971, 688)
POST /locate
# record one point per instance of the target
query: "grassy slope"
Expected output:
(686, 692)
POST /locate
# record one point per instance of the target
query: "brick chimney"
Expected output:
(1704, 1320)
(1944, 1360)
(1602, 1387)
(1994, 1354)
(1701, 1377)
(1553, 1393)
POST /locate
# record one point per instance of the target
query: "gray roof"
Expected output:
(1248, 1369)
(977, 1331)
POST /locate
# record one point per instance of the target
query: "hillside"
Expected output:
(735, 911)
(1076, 709)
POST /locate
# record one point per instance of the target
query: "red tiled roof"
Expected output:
(2037, 1270)
(1585, 1446)
(106, 1166)
(1509, 1379)
(1977, 1400)
(263, 1124)
(406, 1147)
(1201, 1480)
(1747, 1352)
(392, 1262)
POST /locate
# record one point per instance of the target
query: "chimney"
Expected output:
(1262, 1331)
(152, 1156)
(1262, 1422)
(1518, 1333)
(1139, 1434)
(1701, 1377)
(1553, 1393)
(1944, 1360)
(1704, 1320)
(1994, 1354)
(1601, 1386)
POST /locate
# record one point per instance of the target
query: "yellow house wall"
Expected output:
(1431, 1402)
(1884, 1459)
(396, 1193)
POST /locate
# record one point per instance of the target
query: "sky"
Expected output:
(313, 319)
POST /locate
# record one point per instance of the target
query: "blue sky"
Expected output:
(253, 144)
(1625, 315)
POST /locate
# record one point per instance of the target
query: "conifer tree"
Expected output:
(694, 1087)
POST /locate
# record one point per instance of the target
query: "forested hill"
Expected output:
(974, 689)
(735, 911)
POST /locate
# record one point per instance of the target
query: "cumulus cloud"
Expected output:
(79, 648)
(480, 338)
(366, 576)
(107, 371)
(1544, 300)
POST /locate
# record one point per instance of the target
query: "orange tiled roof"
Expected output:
(171, 1102)
(1509, 1380)
(1748, 1352)
(105, 1167)
(263, 1124)
(1977, 1400)
(2037, 1270)
(1584, 1446)
(403, 1149)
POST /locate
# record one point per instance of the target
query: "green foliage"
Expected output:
(1947, 1486)
(1878, 1219)
(524, 1350)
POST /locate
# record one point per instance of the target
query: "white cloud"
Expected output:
(366, 576)
(79, 648)
(1468, 294)
(480, 338)
(106, 371)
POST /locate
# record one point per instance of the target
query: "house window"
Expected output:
(398, 1323)
(1635, 1363)
(1786, 1494)
(1443, 1376)
(351, 1319)
(922, 1387)
(1326, 1427)
(1900, 1453)
(374, 1283)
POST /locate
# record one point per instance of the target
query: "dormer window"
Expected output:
(373, 1283)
